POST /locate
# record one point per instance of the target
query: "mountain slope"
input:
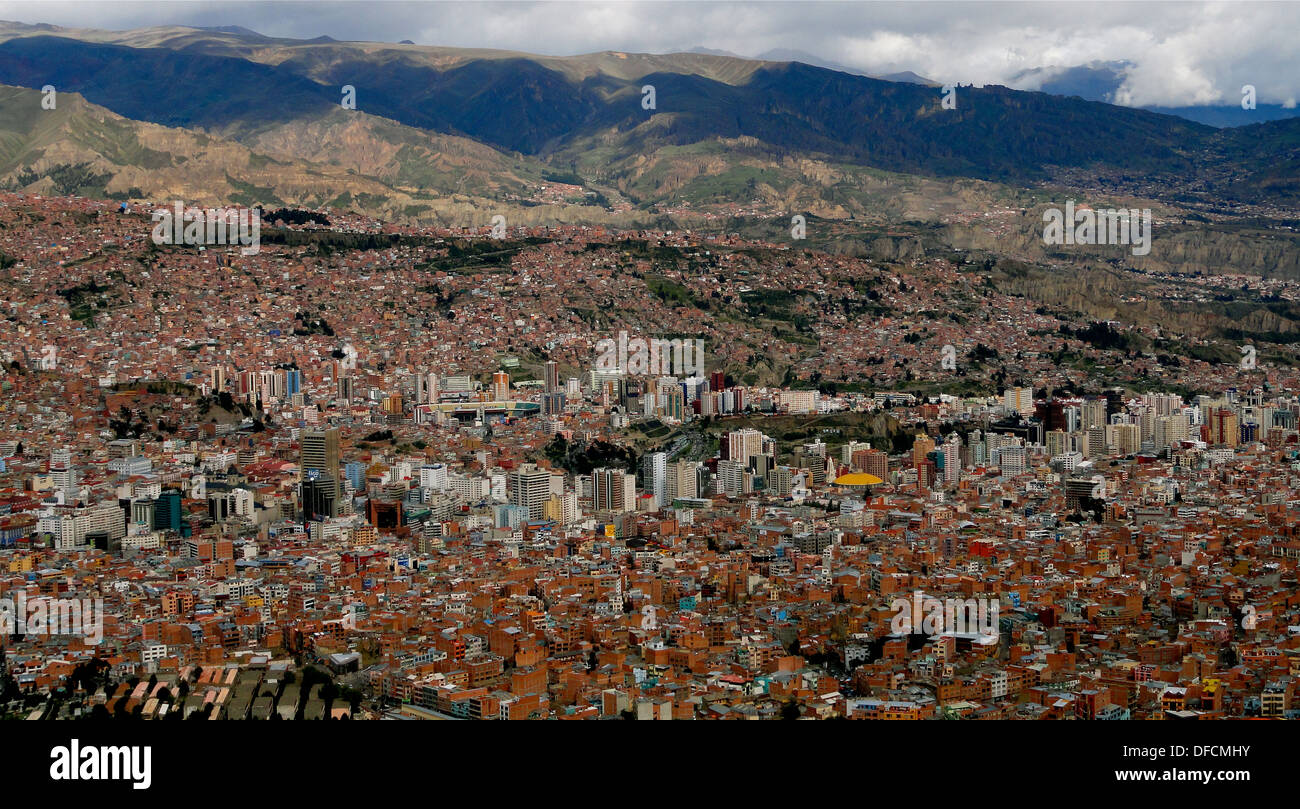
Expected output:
(282, 96)
(522, 104)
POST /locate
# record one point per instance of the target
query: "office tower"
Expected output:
(1079, 489)
(552, 377)
(319, 461)
(553, 403)
(1096, 442)
(848, 451)
(217, 378)
(922, 447)
(1128, 439)
(529, 487)
(1058, 443)
(167, 513)
(655, 469)
(426, 386)
(1094, 413)
(1114, 401)
(875, 462)
(717, 381)
(1020, 400)
(1224, 428)
(681, 481)
(613, 490)
(1169, 430)
(733, 478)
(760, 466)
(1012, 460)
(952, 459)
(674, 404)
(415, 386)
(355, 473)
(781, 483)
(743, 444)
(345, 388)
(63, 474)
(500, 386)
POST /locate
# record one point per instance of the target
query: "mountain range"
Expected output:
(439, 132)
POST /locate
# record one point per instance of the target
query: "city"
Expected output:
(524, 361)
(416, 533)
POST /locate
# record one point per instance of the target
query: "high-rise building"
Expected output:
(553, 403)
(562, 508)
(922, 447)
(741, 445)
(1020, 400)
(1094, 413)
(781, 483)
(1097, 444)
(167, 512)
(1169, 430)
(1012, 460)
(319, 455)
(1128, 439)
(500, 386)
(875, 462)
(655, 469)
(1058, 443)
(529, 487)
(552, 377)
(1223, 427)
(63, 474)
(952, 459)
(613, 490)
(733, 478)
(681, 481)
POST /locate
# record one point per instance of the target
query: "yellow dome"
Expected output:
(857, 479)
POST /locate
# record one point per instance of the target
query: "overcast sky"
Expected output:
(1181, 53)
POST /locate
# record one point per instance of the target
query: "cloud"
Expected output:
(1180, 53)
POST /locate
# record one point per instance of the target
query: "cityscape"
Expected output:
(420, 422)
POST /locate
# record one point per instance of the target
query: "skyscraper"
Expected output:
(656, 476)
(530, 488)
(1020, 400)
(319, 461)
(500, 386)
(613, 490)
(952, 458)
(167, 513)
(681, 481)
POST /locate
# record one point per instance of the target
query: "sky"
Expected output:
(1177, 53)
